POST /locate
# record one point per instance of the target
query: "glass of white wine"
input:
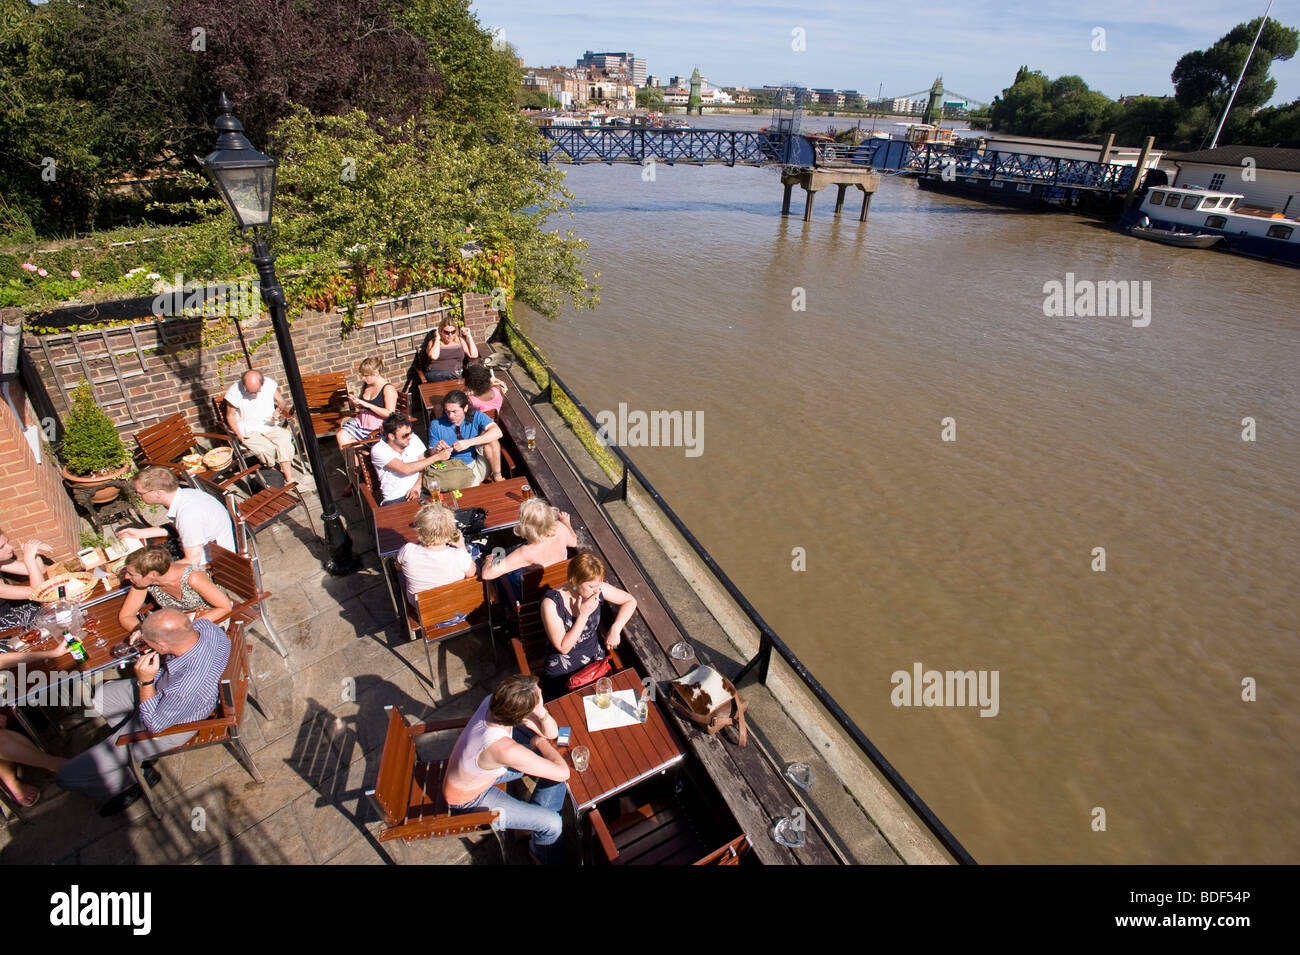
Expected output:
(604, 692)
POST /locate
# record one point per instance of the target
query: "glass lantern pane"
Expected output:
(251, 191)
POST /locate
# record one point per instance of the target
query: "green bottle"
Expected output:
(74, 647)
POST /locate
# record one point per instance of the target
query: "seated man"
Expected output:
(461, 429)
(200, 518)
(399, 460)
(250, 411)
(184, 691)
(494, 748)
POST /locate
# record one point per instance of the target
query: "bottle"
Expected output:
(74, 646)
(643, 706)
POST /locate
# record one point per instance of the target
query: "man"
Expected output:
(399, 460)
(250, 409)
(463, 428)
(200, 518)
(176, 681)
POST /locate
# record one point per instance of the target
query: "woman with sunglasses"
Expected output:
(445, 353)
(23, 565)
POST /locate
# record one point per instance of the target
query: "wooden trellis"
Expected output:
(417, 315)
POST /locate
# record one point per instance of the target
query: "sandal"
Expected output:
(30, 796)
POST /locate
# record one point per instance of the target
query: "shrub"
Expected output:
(91, 444)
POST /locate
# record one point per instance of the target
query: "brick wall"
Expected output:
(183, 373)
(34, 502)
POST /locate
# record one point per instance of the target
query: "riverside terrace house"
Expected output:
(1275, 186)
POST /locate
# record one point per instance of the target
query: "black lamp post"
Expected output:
(246, 180)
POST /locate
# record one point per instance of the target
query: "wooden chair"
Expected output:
(327, 401)
(165, 443)
(221, 728)
(408, 792)
(256, 511)
(531, 647)
(239, 576)
(659, 833)
(447, 611)
(219, 406)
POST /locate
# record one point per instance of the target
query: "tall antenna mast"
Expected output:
(1224, 118)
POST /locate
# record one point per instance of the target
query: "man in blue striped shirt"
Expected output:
(176, 681)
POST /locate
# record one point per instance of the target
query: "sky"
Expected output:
(976, 45)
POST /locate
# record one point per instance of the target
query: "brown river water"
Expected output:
(1119, 690)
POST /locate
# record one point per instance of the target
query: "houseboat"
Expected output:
(1191, 210)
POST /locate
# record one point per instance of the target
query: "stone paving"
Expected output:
(318, 752)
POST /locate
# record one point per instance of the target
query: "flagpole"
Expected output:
(1224, 118)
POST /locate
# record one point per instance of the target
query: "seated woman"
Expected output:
(494, 748)
(377, 400)
(15, 748)
(547, 535)
(440, 558)
(485, 393)
(151, 573)
(28, 573)
(445, 352)
(571, 617)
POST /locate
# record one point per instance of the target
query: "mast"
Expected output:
(1224, 118)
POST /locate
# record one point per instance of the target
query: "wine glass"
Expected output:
(681, 650)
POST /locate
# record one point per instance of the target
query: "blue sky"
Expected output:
(976, 45)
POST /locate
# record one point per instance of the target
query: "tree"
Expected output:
(650, 98)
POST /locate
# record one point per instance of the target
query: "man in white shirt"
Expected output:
(251, 404)
(200, 518)
(399, 460)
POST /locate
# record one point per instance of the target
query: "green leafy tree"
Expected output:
(651, 98)
(91, 444)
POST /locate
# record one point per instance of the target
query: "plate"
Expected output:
(217, 458)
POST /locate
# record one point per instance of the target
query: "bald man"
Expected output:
(251, 404)
(176, 680)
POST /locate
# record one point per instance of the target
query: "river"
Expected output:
(1119, 690)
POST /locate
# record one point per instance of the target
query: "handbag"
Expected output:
(710, 701)
(592, 672)
(470, 520)
(453, 475)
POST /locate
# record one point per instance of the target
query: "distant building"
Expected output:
(613, 63)
(653, 81)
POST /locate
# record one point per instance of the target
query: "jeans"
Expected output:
(541, 815)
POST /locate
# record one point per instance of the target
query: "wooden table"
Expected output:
(431, 395)
(102, 613)
(620, 758)
(501, 500)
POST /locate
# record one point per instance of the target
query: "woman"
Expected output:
(440, 558)
(16, 605)
(378, 399)
(485, 393)
(16, 748)
(445, 352)
(571, 617)
(547, 535)
(151, 572)
(493, 748)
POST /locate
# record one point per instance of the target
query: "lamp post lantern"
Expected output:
(246, 180)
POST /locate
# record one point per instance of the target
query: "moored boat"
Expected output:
(1185, 240)
(1202, 213)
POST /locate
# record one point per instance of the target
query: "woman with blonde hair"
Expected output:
(23, 561)
(173, 586)
(571, 617)
(377, 400)
(548, 535)
(445, 352)
(440, 557)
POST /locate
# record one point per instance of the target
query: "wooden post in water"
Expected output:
(839, 199)
(809, 195)
(785, 203)
(866, 204)
(1106, 147)
(1141, 166)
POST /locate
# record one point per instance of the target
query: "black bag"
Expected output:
(470, 520)
(263, 478)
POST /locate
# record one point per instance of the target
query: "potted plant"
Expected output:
(92, 450)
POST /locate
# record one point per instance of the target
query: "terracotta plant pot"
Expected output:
(104, 494)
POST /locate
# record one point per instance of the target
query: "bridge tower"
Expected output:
(934, 108)
(696, 102)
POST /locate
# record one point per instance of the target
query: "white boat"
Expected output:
(1185, 240)
(1190, 210)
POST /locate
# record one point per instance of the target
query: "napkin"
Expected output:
(621, 711)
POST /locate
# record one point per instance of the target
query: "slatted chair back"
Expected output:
(165, 441)
(660, 832)
(531, 646)
(233, 691)
(730, 854)
(368, 484)
(327, 401)
(449, 610)
(408, 792)
(234, 574)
